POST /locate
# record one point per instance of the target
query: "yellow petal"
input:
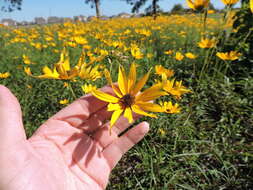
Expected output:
(104, 96)
(113, 107)
(28, 71)
(73, 72)
(139, 111)
(109, 79)
(64, 60)
(65, 101)
(151, 95)
(190, 4)
(141, 83)
(122, 80)
(251, 5)
(48, 73)
(128, 115)
(46, 70)
(115, 116)
(81, 60)
(155, 88)
(148, 106)
(61, 69)
(132, 76)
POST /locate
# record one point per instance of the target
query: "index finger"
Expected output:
(81, 109)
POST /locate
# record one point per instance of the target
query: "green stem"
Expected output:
(204, 22)
(226, 67)
(72, 91)
(205, 65)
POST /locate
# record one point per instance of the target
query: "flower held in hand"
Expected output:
(128, 99)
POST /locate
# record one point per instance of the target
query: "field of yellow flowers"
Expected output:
(201, 118)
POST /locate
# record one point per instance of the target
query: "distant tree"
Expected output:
(178, 8)
(96, 4)
(11, 5)
(149, 10)
(211, 7)
(137, 4)
(244, 2)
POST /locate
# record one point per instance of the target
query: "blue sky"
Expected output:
(70, 8)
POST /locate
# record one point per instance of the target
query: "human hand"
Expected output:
(72, 150)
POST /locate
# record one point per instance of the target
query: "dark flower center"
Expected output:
(127, 100)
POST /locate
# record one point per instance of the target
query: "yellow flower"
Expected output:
(251, 5)
(136, 53)
(26, 60)
(86, 47)
(28, 71)
(65, 84)
(144, 32)
(190, 55)
(71, 44)
(29, 86)
(159, 69)
(90, 73)
(80, 40)
(38, 46)
(150, 55)
(4, 75)
(162, 132)
(229, 2)
(87, 88)
(179, 56)
(170, 108)
(168, 52)
(117, 44)
(103, 52)
(89, 54)
(128, 99)
(207, 43)
(49, 38)
(174, 88)
(64, 101)
(49, 74)
(61, 69)
(231, 56)
(126, 32)
(197, 4)
(210, 11)
(55, 51)
(86, 71)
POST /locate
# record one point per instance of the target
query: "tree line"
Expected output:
(153, 8)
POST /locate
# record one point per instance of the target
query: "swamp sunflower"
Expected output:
(228, 56)
(170, 108)
(128, 97)
(4, 75)
(197, 4)
(190, 55)
(63, 71)
(160, 70)
(251, 5)
(207, 43)
(174, 88)
(179, 56)
(229, 2)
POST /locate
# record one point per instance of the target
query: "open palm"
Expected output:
(72, 150)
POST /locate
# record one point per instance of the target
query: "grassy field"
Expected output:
(208, 145)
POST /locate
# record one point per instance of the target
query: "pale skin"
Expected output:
(72, 150)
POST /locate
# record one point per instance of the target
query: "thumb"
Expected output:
(11, 126)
